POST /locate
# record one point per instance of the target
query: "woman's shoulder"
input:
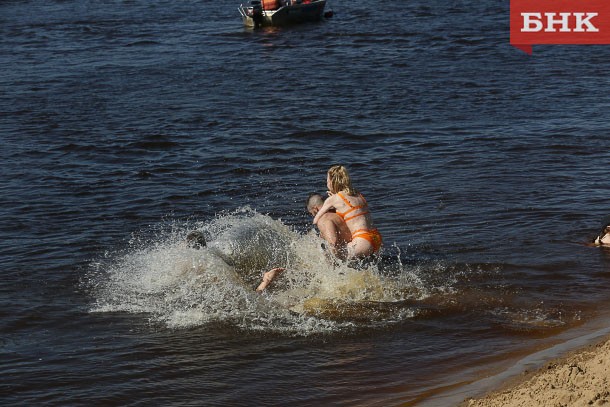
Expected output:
(335, 198)
(352, 200)
(342, 196)
(353, 197)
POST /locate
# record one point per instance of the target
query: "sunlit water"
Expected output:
(127, 124)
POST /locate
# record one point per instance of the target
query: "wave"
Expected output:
(178, 286)
(159, 274)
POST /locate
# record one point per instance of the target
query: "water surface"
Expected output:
(127, 124)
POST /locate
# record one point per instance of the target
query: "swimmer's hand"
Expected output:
(268, 278)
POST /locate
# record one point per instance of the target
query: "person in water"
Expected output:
(332, 227)
(196, 240)
(603, 237)
(268, 278)
(351, 206)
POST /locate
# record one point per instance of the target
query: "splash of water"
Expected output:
(158, 274)
(182, 287)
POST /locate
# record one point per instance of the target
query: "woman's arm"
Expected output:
(328, 204)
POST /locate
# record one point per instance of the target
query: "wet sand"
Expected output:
(579, 378)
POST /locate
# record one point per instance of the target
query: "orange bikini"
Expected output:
(372, 235)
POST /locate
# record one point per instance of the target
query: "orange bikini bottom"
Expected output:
(372, 235)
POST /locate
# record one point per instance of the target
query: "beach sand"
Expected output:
(580, 378)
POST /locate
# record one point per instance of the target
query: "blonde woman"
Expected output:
(350, 205)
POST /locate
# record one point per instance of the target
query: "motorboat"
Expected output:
(260, 13)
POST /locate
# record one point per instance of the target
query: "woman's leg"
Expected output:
(359, 247)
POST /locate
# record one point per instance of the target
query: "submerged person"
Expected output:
(603, 237)
(351, 206)
(332, 227)
(268, 278)
(196, 240)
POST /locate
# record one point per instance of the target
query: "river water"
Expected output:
(127, 124)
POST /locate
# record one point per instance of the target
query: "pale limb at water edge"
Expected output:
(268, 278)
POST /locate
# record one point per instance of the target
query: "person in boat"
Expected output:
(351, 206)
(603, 237)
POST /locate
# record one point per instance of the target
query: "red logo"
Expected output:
(559, 22)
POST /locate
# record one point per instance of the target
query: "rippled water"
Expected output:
(127, 124)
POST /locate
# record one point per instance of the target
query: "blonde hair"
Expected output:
(340, 180)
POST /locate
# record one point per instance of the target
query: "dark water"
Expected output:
(126, 124)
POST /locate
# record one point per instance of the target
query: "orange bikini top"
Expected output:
(352, 208)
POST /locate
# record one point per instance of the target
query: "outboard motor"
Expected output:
(257, 13)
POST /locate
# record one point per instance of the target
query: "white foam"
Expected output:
(183, 287)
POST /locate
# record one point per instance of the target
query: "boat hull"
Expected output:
(286, 15)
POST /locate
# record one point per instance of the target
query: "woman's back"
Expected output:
(354, 210)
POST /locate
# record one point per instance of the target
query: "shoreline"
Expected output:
(573, 371)
(578, 377)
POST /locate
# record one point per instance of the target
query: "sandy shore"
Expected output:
(581, 378)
